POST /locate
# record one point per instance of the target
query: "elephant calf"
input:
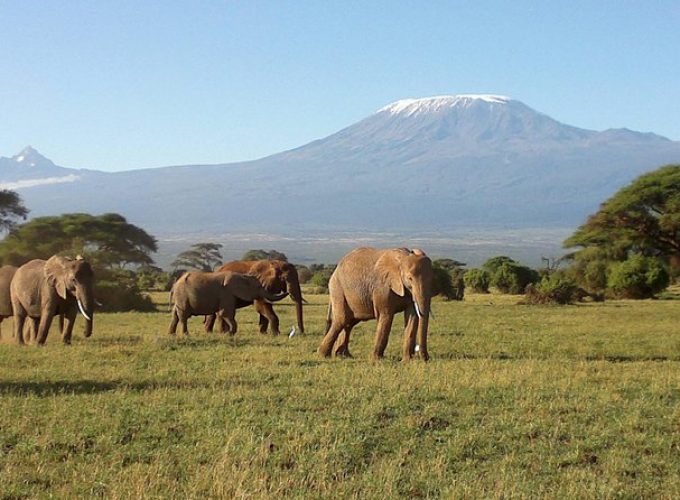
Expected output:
(202, 294)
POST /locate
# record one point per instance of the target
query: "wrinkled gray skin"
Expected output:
(202, 294)
(43, 289)
(6, 275)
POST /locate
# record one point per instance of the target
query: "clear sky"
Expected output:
(117, 85)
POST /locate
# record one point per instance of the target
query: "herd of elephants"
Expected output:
(367, 284)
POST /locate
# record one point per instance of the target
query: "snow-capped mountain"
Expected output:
(416, 164)
(29, 168)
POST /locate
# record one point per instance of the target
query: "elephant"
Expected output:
(43, 289)
(6, 275)
(201, 293)
(374, 283)
(276, 276)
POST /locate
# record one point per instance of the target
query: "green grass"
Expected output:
(570, 401)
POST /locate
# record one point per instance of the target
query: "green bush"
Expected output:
(154, 279)
(494, 263)
(477, 280)
(554, 288)
(117, 297)
(458, 282)
(444, 283)
(321, 278)
(513, 278)
(118, 290)
(638, 277)
(304, 274)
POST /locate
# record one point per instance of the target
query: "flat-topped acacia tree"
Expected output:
(108, 240)
(641, 218)
(640, 222)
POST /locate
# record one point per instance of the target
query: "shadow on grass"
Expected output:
(77, 387)
(503, 356)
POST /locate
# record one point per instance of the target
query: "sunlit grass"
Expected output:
(570, 401)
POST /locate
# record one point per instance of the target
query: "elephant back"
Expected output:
(27, 285)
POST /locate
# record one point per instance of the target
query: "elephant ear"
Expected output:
(268, 274)
(55, 273)
(389, 271)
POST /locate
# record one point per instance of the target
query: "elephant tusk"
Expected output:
(98, 304)
(292, 332)
(304, 301)
(417, 348)
(417, 309)
(82, 310)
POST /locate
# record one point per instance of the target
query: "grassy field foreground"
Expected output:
(518, 401)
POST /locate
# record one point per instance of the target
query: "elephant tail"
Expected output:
(329, 317)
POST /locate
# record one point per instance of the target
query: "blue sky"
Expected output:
(130, 84)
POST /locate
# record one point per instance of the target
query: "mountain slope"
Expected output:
(416, 164)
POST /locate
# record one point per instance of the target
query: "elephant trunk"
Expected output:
(293, 286)
(421, 301)
(85, 301)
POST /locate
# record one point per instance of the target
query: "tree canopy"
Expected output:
(106, 240)
(641, 218)
(11, 209)
(264, 255)
(201, 256)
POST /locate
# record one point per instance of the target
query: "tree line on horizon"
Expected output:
(629, 248)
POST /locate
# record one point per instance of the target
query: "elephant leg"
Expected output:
(264, 324)
(329, 339)
(224, 327)
(67, 321)
(267, 315)
(410, 330)
(184, 318)
(44, 327)
(382, 334)
(19, 320)
(229, 319)
(209, 323)
(343, 346)
(173, 323)
(32, 329)
(61, 324)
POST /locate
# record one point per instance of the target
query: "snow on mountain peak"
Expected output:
(29, 156)
(434, 104)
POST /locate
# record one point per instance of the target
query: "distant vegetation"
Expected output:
(201, 257)
(631, 246)
(264, 255)
(12, 209)
(114, 247)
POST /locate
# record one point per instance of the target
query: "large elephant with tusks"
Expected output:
(377, 284)
(43, 289)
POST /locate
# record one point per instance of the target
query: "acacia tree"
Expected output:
(641, 218)
(11, 209)
(619, 243)
(108, 241)
(264, 255)
(201, 256)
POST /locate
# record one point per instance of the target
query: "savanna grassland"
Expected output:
(569, 401)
